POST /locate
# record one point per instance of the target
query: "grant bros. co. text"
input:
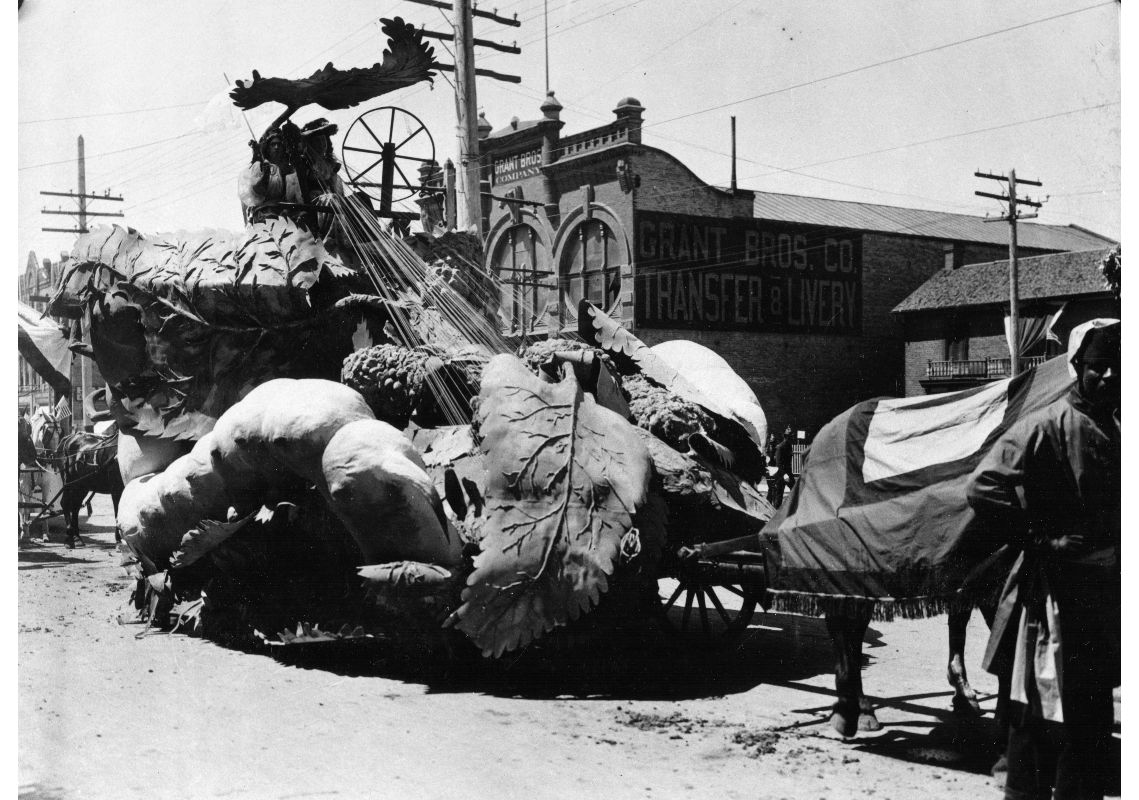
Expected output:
(716, 274)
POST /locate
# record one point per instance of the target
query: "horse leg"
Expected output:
(964, 697)
(71, 503)
(844, 717)
(846, 639)
(867, 719)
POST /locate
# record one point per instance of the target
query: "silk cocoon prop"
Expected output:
(284, 434)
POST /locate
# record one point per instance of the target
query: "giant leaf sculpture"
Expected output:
(184, 325)
(407, 61)
(564, 479)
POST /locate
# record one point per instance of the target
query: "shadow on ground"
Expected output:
(631, 661)
(39, 557)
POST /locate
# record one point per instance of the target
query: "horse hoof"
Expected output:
(966, 706)
(1001, 767)
(845, 723)
(70, 544)
(868, 723)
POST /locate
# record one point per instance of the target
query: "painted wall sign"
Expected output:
(516, 167)
(726, 274)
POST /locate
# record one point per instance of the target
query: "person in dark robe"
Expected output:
(1052, 484)
(783, 478)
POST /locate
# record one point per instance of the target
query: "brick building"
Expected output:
(795, 292)
(955, 322)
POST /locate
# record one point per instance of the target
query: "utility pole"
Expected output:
(466, 98)
(79, 412)
(468, 112)
(81, 197)
(1013, 276)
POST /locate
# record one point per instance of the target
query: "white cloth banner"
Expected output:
(43, 344)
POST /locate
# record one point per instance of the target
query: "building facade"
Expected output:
(955, 323)
(797, 293)
(35, 287)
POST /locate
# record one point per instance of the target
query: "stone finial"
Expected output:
(551, 108)
(430, 174)
(630, 110)
(484, 126)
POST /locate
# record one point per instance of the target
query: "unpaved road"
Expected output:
(103, 714)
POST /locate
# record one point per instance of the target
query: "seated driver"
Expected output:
(269, 180)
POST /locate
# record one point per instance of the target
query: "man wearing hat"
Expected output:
(320, 159)
(1051, 484)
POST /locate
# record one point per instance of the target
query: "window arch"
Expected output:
(591, 267)
(522, 268)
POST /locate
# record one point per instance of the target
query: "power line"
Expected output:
(944, 138)
(655, 53)
(114, 113)
(882, 63)
(795, 170)
(110, 153)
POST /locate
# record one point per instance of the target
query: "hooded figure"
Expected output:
(1051, 485)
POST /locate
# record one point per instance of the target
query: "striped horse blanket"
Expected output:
(879, 516)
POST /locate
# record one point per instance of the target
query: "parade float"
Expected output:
(325, 436)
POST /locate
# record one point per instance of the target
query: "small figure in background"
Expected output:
(782, 479)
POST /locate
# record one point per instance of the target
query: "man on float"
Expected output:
(270, 179)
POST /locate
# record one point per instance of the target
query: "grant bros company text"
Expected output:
(724, 274)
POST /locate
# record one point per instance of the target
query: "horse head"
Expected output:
(47, 430)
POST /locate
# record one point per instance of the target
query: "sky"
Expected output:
(881, 102)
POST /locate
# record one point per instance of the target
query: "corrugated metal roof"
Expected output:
(1038, 278)
(917, 222)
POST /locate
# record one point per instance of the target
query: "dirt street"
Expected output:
(104, 713)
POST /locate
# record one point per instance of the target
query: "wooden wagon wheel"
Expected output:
(382, 152)
(704, 618)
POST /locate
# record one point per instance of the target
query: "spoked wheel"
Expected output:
(383, 151)
(704, 613)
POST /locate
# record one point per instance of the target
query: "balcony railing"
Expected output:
(981, 369)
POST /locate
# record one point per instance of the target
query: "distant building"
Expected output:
(35, 287)
(795, 292)
(955, 322)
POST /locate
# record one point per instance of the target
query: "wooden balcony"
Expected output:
(978, 370)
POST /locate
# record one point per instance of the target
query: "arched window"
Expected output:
(521, 266)
(591, 267)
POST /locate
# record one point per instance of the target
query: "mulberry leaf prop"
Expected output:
(565, 478)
